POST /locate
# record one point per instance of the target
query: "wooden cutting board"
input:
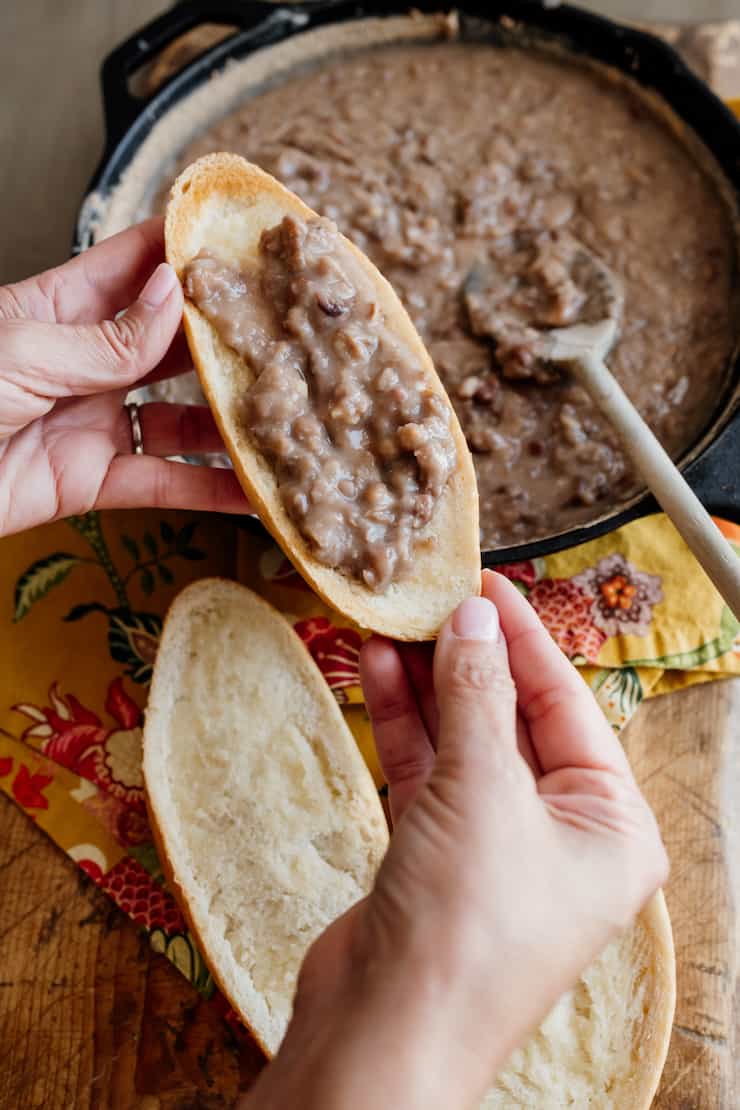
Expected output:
(91, 1019)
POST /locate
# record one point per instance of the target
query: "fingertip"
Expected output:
(476, 618)
(160, 286)
(493, 583)
(377, 654)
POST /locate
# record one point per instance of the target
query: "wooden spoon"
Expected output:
(583, 347)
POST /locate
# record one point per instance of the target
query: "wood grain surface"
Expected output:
(89, 1017)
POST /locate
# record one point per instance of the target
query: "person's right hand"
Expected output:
(522, 845)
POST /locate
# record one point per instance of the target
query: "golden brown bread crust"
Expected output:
(224, 202)
(654, 917)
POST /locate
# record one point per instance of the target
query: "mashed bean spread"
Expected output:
(436, 160)
(360, 442)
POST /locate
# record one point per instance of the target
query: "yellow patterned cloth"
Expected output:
(81, 606)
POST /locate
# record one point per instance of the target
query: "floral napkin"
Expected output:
(82, 602)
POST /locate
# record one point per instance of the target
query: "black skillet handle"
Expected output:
(120, 106)
(715, 477)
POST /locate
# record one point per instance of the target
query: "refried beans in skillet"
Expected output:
(434, 159)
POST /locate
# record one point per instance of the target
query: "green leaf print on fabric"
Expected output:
(132, 636)
(618, 692)
(41, 577)
(133, 639)
(704, 653)
(182, 951)
(132, 547)
(146, 855)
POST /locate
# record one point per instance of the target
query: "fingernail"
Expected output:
(159, 286)
(476, 619)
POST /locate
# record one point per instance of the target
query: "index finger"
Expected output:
(566, 726)
(405, 752)
(96, 284)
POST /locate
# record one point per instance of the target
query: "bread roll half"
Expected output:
(267, 821)
(269, 827)
(604, 1044)
(223, 204)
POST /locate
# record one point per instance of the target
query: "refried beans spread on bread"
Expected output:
(342, 410)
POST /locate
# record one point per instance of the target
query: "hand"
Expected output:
(66, 365)
(522, 845)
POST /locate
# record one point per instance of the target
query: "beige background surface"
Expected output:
(51, 129)
(689, 10)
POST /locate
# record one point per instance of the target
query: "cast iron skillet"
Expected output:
(715, 473)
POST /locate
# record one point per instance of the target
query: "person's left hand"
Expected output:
(67, 361)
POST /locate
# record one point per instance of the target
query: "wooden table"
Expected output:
(89, 1017)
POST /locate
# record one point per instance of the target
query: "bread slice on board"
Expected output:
(223, 203)
(266, 819)
(604, 1044)
(269, 826)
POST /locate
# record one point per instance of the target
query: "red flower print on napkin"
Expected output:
(76, 737)
(524, 572)
(335, 650)
(28, 789)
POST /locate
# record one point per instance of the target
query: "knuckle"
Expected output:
(541, 704)
(163, 487)
(121, 340)
(390, 710)
(223, 488)
(11, 307)
(190, 432)
(473, 672)
(614, 788)
(643, 869)
(406, 768)
(13, 343)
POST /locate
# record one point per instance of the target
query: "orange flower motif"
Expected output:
(624, 597)
(618, 592)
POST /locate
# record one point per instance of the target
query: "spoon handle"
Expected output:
(663, 478)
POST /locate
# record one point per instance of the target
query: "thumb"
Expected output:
(476, 696)
(51, 361)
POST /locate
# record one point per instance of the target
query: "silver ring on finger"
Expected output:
(137, 439)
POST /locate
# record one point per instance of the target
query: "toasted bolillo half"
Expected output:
(604, 1044)
(267, 821)
(223, 203)
(269, 826)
